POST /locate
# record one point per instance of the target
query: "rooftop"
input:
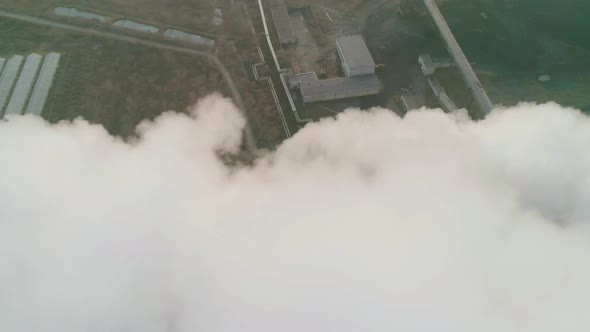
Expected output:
(355, 52)
(312, 88)
(280, 17)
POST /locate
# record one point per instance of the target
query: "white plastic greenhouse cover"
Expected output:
(43, 85)
(23, 86)
(7, 79)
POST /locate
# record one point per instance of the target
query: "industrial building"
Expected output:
(26, 90)
(312, 89)
(430, 65)
(359, 69)
(441, 95)
(479, 94)
(355, 56)
(280, 17)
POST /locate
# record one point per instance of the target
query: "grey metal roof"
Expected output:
(355, 52)
(427, 65)
(439, 92)
(43, 85)
(311, 87)
(282, 22)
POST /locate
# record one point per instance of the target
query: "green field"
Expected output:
(112, 83)
(509, 42)
(516, 41)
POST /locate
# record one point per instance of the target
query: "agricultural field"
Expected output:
(239, 56)
(515, 44)
(118, 84)
(109, 82)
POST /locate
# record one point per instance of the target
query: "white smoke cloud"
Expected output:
(368, 222)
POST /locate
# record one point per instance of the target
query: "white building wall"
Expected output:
(367, 70)
(345, 66)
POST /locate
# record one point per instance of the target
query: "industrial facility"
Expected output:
(359, 70)
(280, 17)
(355, 56)
(479, 94)
(429, 67)
(25, 90)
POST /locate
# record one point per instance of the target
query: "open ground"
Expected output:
(107, 81)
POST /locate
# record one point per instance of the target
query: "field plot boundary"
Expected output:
(250, 140)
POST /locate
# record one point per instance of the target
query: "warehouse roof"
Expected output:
(310, 87)
(280, 17)
(354, 51)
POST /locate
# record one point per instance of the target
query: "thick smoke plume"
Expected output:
(367, 222)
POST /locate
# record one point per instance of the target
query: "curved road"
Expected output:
(249, 136)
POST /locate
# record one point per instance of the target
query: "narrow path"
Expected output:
(164, 45)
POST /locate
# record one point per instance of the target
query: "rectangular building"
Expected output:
(282, 22)
(313, 90)
(43, 84)
(189, 37)
(355, 56)
(7, 79)
(132, 25)
(24, 85)
(360, 78)
(443, 99)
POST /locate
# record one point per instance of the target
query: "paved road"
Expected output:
(163, 44)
